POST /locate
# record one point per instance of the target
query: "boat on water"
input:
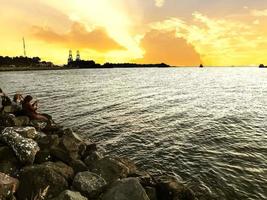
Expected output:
(201, 66)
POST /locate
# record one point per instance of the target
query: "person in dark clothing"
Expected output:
(17, 104)
(4, 100)
(30, 109)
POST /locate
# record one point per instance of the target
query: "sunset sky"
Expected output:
(177, 32)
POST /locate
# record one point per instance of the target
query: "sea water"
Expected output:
(207, 126)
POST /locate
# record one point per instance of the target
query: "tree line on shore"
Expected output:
(20, 61)
(92, 64)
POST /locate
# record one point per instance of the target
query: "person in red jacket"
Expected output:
(30, 109)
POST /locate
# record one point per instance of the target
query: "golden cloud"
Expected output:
(159, 3)
(78, 37)
(166, 47)
(259, 13)
(219, 41)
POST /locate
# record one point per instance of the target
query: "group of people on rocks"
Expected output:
(21, 106)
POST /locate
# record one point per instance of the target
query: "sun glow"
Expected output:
(113, 17)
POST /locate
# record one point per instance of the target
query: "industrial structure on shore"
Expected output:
(70, 59)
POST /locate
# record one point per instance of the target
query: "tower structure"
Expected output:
(70, 59)
(78, 57)
(24, 47)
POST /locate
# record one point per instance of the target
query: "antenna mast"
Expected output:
(24, 47)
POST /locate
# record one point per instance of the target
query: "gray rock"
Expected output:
(92, 158)
(70, 195)
(10, 120)
(8, 186)
(78, 166)
(144, 178)
(39, 125)
(89, 184)
(112, 169)
(50, 177)
(24, 148)
(48, 141)
(21, 121)
(7, 120)
(128, 163)
(68, 147)
(170, 188)
(126, 189)
(9, 164)
(87, 148)
(27, 132)
(62, 154)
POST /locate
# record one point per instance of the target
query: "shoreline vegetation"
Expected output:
(40, 162)
(35, 63)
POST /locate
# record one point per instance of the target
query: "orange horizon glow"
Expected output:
(184, 33)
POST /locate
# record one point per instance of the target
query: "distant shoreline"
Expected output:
(7, 69)
(11, 69)
(35, 63)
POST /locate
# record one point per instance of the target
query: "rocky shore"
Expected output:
(55, 163)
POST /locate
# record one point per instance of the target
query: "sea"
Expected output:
(206, 126)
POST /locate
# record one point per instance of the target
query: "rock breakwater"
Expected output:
(55, 163)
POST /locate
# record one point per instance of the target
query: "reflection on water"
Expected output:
(208, 125)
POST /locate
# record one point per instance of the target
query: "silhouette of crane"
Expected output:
(70, 59)
(78, 57)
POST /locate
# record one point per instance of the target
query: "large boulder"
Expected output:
(70, 195)
(8, 186)
(68, 147)
(170, 188)
(47, 142)
(112, 168)
(89, 184)
(53, 177)
(27, 132)
(71, 147)
(126, 189)
(21, 121)
(10, 120)
(24, 148)
(9, 164)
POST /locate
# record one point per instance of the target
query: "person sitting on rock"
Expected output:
(17, 104)
(30, 109)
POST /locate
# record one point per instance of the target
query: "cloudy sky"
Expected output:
(177, 32)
